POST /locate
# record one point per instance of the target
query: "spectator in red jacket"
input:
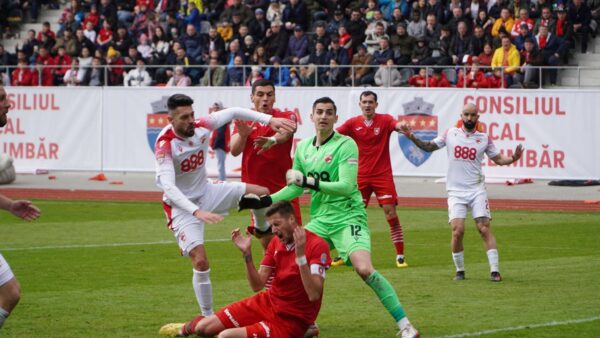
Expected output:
(421, 79)
(495, 81)
(45, 59)
(92, 16)
(439, 79)
(63, 60)
(475, 78)
(22, 75)
(46, 31)
(115, 73)
(485, 58)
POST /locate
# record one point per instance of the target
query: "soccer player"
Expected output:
(371, 132)
(327, 165)
(299, 259)
(189, 199)
(266, 155)
(10, 290)
(466, 144)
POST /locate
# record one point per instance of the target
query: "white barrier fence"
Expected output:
(112, 128)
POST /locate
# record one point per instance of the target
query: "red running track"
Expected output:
(413, 202)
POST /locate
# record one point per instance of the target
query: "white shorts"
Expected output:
(6, 273)
(218, 198)
(476, 201)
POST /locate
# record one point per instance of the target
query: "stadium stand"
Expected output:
(316, 42)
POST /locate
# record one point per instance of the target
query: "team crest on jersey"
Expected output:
(328, 158)
(323, 258)
(376, 131)
(418, 114)
(156, 120)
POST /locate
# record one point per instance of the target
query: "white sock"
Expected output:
(3, 316)
(402, 323)
(459, 260)
(493, 259)
(203, 290)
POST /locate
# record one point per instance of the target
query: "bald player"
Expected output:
(466, 143)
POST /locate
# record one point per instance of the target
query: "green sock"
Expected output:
(386, 294)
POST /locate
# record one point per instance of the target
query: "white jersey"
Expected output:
(180, 162)
(465, 154)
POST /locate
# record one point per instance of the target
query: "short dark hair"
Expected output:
(368, 93)
(179, 100)
(284, 208)
(324, 99)
(262, 83)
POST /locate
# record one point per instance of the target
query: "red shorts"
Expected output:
(383, 187)
(256, 315)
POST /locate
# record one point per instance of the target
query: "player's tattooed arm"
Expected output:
(428, 146)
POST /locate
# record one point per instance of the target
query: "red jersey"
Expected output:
(104, 35)
(267, 169)
(373, 140)
(287, 294)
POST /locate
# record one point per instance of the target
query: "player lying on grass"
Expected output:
(286, 310)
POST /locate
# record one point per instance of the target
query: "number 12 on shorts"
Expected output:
(355, 231)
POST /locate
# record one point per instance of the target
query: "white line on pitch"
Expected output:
(523, 327)
(80, 246)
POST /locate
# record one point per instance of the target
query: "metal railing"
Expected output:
(306, 75)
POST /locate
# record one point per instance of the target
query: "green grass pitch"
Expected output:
(99, 269)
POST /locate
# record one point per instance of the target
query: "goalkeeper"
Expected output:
(327, 164)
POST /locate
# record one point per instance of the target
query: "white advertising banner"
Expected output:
(53, 128)
(114, 128)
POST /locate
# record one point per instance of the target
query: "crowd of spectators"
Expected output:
(423, 43)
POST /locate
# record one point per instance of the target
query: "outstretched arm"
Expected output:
(20, 208)
(506, 160)
(428, 146)
(224, 116)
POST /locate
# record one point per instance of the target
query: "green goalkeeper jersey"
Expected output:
(335, 163)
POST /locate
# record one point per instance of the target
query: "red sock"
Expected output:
(397, 235)
(190, 327)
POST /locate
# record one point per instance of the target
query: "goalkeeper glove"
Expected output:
(253, 201)
(296, 177)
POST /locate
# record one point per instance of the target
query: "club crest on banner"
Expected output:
(418, 114)
(156, 120)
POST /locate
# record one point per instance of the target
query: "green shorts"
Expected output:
(346, 239)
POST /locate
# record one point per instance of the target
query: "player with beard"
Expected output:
(190, 200)
(10, 290)
(466, 144)
(299, 259)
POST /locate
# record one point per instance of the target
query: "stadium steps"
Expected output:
(50, 15)
(589, 77)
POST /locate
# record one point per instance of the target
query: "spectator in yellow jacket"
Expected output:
(505, 20)
(507, 57)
